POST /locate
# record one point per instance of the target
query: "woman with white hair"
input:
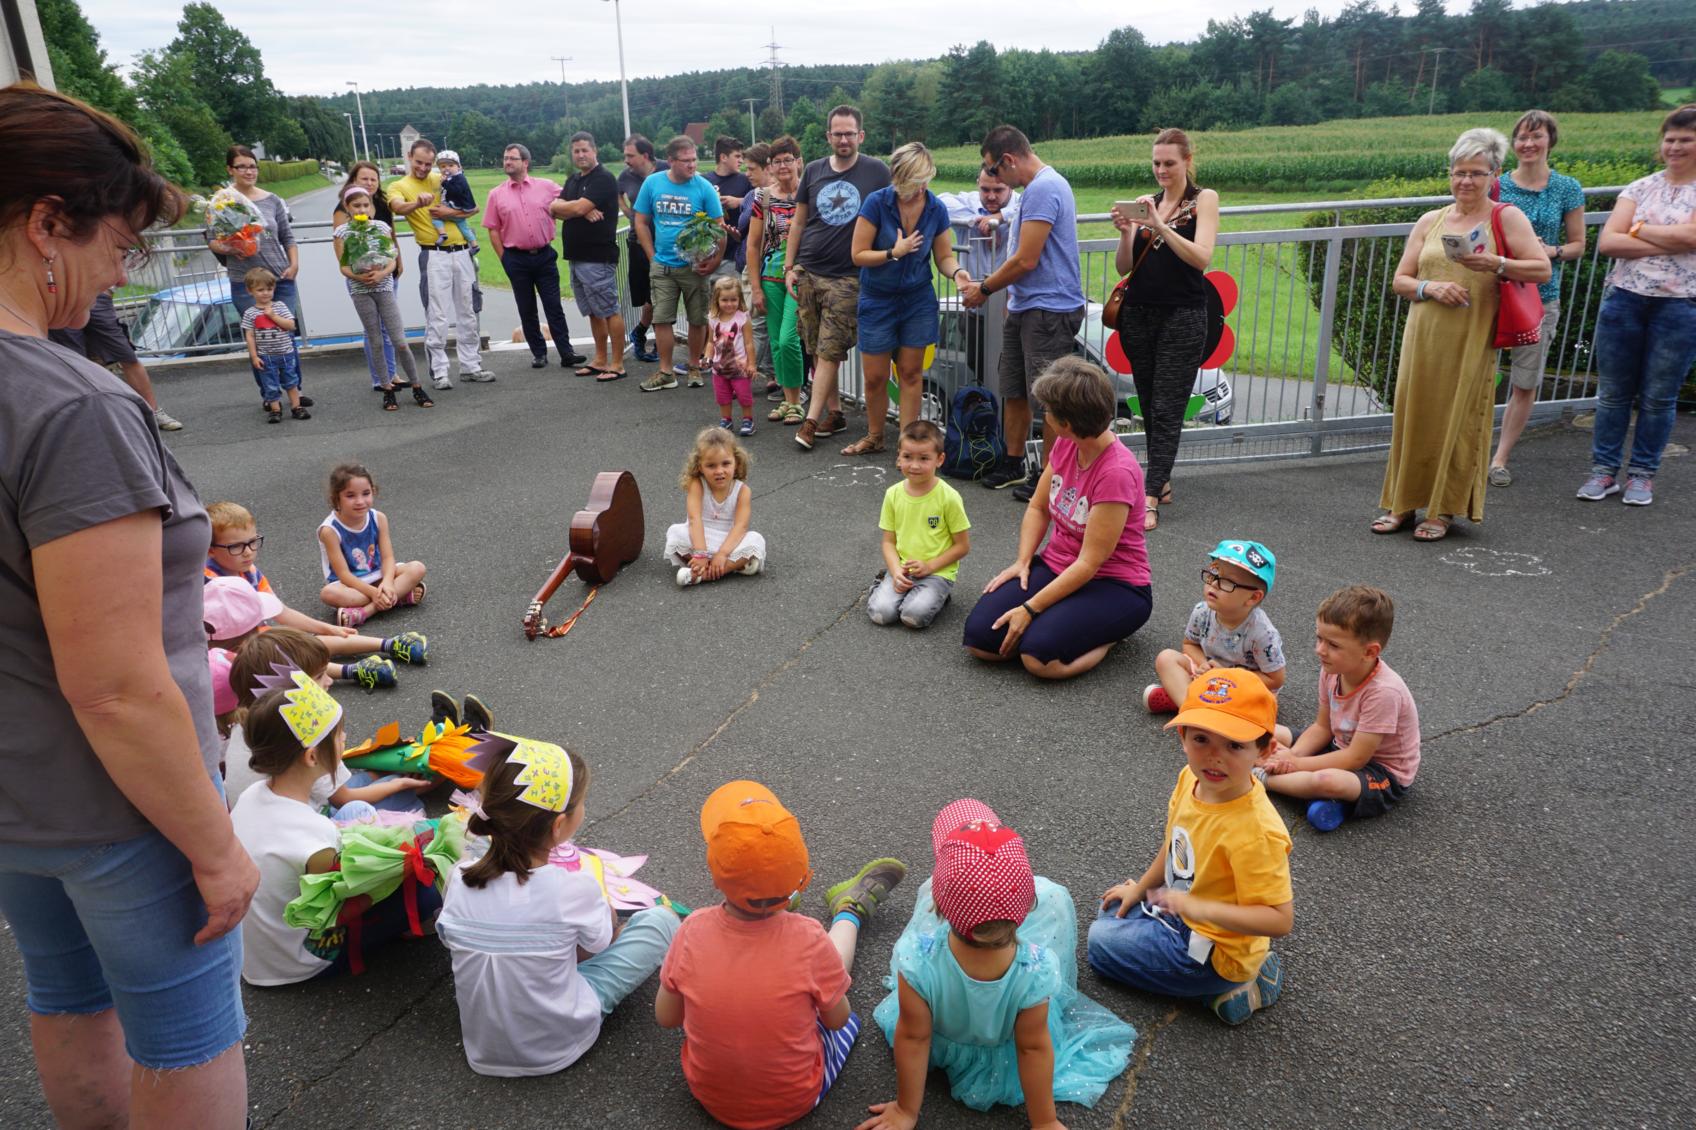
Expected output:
(1445, 382)
(898, 311)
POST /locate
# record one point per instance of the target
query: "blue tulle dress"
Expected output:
(972, 1021)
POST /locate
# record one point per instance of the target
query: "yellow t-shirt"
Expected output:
(924, 526)
(410, 188)
(1237, 852)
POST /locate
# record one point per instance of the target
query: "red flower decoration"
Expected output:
(1221, 342)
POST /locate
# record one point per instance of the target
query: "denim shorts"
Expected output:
(113, 924)
(276, 372)
(902, 321)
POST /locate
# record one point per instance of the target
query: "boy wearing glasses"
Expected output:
(1227, 628)
(235, 553)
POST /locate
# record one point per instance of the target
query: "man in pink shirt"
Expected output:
(521, 233)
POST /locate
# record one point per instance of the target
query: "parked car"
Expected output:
(180, 318)
(1212, 385)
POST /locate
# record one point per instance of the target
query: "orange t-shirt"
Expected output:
(752, 992)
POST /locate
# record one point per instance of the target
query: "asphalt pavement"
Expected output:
(1511, 947)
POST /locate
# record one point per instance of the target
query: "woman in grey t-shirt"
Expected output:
(120, 875)
(277, 252)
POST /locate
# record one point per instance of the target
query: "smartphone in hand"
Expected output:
(1137, 210)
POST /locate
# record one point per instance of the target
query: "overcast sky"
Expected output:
(310, 49)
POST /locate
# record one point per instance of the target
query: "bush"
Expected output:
(285, 170)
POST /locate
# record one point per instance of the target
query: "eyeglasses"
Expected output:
(244, 168)
(251, 545)
(1456, 174)
(849, 136)
(1223, 584)
(782, 161)
(136, 254)
(994, 168)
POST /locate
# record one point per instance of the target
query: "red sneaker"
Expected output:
(1156, 701)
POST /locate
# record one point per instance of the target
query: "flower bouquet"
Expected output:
(234, 219)
(367, 246)
(698, 239)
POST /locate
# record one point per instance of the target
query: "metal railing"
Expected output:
(1316, 323)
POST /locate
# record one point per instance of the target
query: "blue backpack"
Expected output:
(972, 445)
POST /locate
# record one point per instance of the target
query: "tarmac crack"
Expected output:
(725, 723)
(1602, 645)
(306, 1086)
(1145, 1048)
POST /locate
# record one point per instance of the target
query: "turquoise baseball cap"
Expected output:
(1250, 555)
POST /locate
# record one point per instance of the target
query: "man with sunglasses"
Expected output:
(818, 262)
(1045, 293)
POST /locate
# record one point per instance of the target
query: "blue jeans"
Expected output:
(632, 958)
(1151, 954)
(112, 925)
(276, 372)
(403, 801)
(1644, 350)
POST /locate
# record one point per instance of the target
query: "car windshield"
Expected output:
(165, 325)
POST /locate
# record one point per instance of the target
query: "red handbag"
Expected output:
(1519, 310)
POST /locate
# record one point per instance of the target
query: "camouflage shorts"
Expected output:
(827, 311)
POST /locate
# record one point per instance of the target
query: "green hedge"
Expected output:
(285, 170)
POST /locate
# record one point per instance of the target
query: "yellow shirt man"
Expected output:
(410, 188)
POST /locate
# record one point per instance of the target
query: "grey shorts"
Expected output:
(1526, 364)
(596, 287)
(1031, 340)
(671, 285)
(104, 339)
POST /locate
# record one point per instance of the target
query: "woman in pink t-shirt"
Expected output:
(1089, 587)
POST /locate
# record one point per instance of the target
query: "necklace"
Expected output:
(12, 310)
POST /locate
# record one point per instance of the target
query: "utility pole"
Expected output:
(360, 103)
(562, 60)
(623, 85)
(352, 141)
(751, 128)
(1431, 104)
(776, 73)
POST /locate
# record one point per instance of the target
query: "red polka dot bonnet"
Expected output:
(982, 873)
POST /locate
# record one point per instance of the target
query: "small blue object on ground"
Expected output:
(1325, 815)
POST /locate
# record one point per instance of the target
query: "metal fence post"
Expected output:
(1322, 347)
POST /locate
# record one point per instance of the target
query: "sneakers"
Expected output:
(273, 415)
(685, 577)
(1639, 490)
(353, 617)
(831, 423)
(774, 392)
(1326, 815)
(638, 346)
(724, 422)
(1598, 486)
(680, 368)
(479, 717)
(444, 711)
(659, 382)
(1010, 472)
(410, 647)
(1244, 1001)
(809, 431)
(441, 383)
(861, 895)
(371, 672)
(477, 376)
(746, 428)
(1155, 700)
(300, 413)
(166, 422)
(696, 380)
(1024, 490)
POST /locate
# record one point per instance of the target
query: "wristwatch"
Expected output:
(1501, 266)
(1026, 605)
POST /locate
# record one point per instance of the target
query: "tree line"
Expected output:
(207, 87)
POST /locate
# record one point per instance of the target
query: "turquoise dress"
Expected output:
(972, 1021)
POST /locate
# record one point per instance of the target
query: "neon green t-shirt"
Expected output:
(926, 526)
(410, 188)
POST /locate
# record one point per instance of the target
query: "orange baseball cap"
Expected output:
(1231, 701)
(754, 845)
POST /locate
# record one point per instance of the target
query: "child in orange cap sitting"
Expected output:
(1199, 922)
(986, 984)
(760, 993)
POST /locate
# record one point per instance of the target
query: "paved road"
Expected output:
(1511, 948)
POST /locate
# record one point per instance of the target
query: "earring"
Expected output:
(52, 286)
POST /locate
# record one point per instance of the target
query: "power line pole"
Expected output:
(562, 60)
(776, 73)
(751, 129)
(1431, 104)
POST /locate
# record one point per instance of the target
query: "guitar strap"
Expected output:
(570, 621)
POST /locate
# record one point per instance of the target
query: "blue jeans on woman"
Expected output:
(1644, 349)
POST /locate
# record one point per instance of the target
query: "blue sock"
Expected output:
(388, 642)
(846, 916)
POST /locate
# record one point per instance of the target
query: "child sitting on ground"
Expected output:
(1199, 922)
(456, 193)
(236, 542)
(925, 534)
(295, 734)
(986, 984)
(343, 795)
(1360, 755)
(1227, 628)
(730, 353)
(362, 577)
(268, 328)
(761, 993)
(539, 955)
(715, 541)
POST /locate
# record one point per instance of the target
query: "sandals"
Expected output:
(589, 371)
(1432, 529)
(865, 445)
(1388, 523)
(389, 404)
(787, 414)
(602, 376)
(1150, 513)
(422, 397)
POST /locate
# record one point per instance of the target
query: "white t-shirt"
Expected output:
(524, 1009)
(238, 778)
(324, 786)
(281, 835)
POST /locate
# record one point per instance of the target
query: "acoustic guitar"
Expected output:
(605, 536)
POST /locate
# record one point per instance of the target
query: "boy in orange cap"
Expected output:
(1199, 922)
(761, 993)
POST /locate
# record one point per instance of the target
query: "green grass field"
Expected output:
(1678, 95)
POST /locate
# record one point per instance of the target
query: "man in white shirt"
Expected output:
(984, 222)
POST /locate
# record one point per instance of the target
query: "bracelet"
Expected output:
(1501, 266)
(1419, 295)
(699, 553)
(890, 253)
(1026, 605)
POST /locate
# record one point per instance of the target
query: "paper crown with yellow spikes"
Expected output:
(546, 778)
(310, 712)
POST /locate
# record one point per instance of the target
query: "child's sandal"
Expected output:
(389, 404)
(422, 397)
